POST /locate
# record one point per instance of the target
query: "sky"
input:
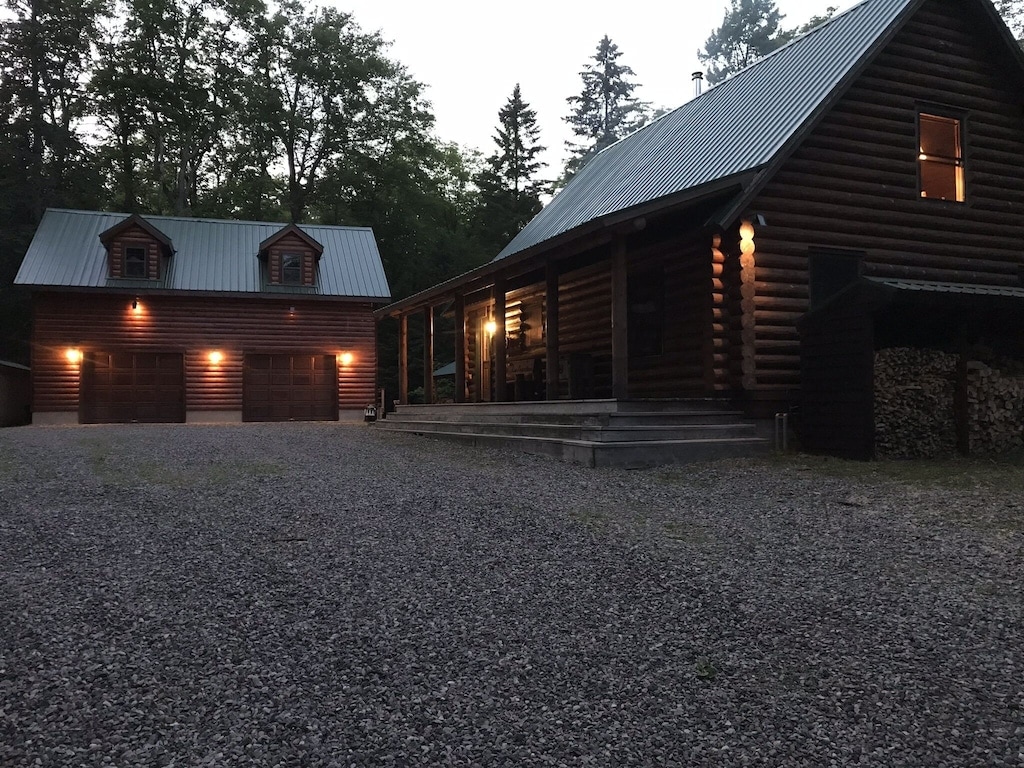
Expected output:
(471, 53)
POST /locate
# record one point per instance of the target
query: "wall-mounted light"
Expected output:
(491, 327)
(216, 357)
(346, 358)
(135, 303)
(73, 355)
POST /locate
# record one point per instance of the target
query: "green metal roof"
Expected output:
(211, 255)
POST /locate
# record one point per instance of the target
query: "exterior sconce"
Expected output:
(73, 355)
(491, 327)
(135, 303)
(216, 358)
(345, 358)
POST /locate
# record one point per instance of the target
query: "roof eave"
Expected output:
(601, 224)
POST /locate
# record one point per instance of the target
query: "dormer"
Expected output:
(135, 249)
(292, 257)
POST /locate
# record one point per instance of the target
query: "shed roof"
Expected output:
(211, 255)
(736, 127)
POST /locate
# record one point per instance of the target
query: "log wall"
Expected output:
(197, 326)
(853, 183)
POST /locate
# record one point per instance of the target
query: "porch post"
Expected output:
(620, 331)
(403, 359)
(428, 354)
(460, 348)
(551, 332)
(500, 367)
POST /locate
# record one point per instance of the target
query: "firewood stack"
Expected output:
(995, 408)
(914, 403)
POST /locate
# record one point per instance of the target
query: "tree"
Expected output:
(509, 192)
(606, 109)
(1012, 12)
(751, 29)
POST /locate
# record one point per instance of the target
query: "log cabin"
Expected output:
(886, 144)
(162, 319)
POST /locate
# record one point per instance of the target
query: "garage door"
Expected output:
(284, 387)
(132, 386)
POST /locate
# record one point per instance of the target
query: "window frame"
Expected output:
(299, 258)
(958, 163)
(126, 248)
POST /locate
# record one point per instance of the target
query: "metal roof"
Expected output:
(929, 286)
(737, 126)
(210, 255)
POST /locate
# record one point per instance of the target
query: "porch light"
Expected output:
(216, 357)
(346, 358)
(491, 327)
(73, 355)
(135, 304)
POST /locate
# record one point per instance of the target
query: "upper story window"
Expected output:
(135, 262)
(291, 268)
(941, 160)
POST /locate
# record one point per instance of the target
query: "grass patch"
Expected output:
(686, 532)
(589, 517)
(1004, 473)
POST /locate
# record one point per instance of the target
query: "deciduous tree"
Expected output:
(750, 30)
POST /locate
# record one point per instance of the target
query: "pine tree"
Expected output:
(509, 192)
(1012, 12)
(606, 109)
(751, 29)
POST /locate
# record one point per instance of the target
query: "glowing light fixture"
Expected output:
(346, 358)
(216, 358)
(491, 327)
(73, 355)
(135, 303)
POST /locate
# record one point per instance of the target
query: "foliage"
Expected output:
(1012, 12)
(509, 192)
(606, 109)
(750, 30)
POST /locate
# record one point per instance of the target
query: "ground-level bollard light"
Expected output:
(370, 413)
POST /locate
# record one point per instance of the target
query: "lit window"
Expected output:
(941, 161)
(134, 261)
(291, 269)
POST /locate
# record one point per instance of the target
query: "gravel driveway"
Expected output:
(325, 595)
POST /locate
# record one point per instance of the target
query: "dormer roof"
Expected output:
(292, 229)
(107, 236)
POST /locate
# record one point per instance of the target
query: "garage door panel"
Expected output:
(133, 387)
(289, 387)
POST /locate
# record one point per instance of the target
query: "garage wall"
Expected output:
(197, 326)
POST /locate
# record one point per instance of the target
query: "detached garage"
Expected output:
(161, 319)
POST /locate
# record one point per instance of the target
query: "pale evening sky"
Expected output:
(471, 54)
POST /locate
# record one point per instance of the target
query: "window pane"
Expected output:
(291, 268)
(939, 181)
(940, 137)
(134, 262)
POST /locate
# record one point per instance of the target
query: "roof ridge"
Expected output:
(204, 219)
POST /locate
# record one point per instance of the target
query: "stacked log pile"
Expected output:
(995, 407)
(914, 403)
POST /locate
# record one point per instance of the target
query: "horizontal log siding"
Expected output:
(684, 367)
(196, 326)
(584, 320)
(853, 183)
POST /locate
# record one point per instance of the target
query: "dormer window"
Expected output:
(291, 257)
(291, 268)
(136, 250)
(941, 160)
(135, 262)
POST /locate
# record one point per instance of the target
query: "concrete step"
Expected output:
(625, 454)
(615, 432)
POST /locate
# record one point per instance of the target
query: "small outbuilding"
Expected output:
(167, 319)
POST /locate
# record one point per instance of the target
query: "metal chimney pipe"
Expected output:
(698, 82)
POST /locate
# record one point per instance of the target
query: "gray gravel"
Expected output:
(323, 595)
